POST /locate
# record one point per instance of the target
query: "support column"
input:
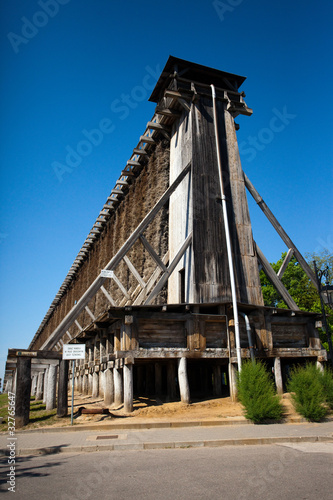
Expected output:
(278, 376)
(184, 388)
(51, 387)
(233, 381)
(128, 387)
(95, 387)
(34, 385)
(101, 384)
(23, 388)
(39, 391)
(62, 405)
(90, 383)
(118, 386)
(158, 379)
(108, 387)
(217, 381)
(45, 380)
(171, 380)
(84, 383)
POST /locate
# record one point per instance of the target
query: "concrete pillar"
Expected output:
(278, 376)
(34, 384)
(184, 387)
(320, 366)
(39, 390)
(95, 388)
(84, 384)
(158, 379)
(90, 383)
(217, 381)
(108, 387)
(118, 386)
(62, 406)
(45, 380)
(128, 387)
(233, 381)
(171, 380)
(23, 388)
(51, 387)
(101, 384)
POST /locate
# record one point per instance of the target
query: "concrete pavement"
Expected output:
(154, 435)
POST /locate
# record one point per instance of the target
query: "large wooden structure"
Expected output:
(151, 292)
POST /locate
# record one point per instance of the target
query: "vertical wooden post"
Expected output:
(33, 384)
(90, 382)
(109, 387)
(101, 384)
(128, 387)
(23, 388)
(184, 387)
(118, 385)
(84, 383)
(95, 386)
(45, 380)
(232, 381)
(51, 387)
(62, 404)
(158, 379)
(39, 391)
(278, 376)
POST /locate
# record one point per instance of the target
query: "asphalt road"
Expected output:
(291, 471)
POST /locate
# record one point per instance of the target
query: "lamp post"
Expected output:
(328, 288)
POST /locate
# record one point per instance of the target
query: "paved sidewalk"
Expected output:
(172, 435)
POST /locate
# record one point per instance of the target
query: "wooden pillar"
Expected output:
(39, 391)
(34, 384)
(23, 388)
(128, 387)
(184, 387)
(158, 379)
(108, 387)
(90, 383)
(84, 383)
(51, 387)
(118, 385)
(101, 384)
(233, 381)
(278, 376)
(62, 404)
(45, 380)
(217, 381)
(171, 380)
(95, 387)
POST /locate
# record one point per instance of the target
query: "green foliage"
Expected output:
(300, 287)
(327, 381)
(257, 393)
(308, 392)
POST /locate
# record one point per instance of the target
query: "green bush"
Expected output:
(256, 392)
(307, 386)
(327, 381)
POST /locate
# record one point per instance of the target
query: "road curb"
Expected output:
(52, 450)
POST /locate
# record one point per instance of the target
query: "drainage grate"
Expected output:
(107, 437)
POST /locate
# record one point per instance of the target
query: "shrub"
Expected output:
(308, 392)
(327, 381)
(257, 393)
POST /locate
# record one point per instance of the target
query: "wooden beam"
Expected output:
(285, 263)
(275, 280)
(98, 282)
(108, 296)
(147, 139)
(152, 252)
(279, 229)
(134, 271)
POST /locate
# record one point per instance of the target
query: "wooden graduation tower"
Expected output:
(165, 291)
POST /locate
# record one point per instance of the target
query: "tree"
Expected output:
(300, 287)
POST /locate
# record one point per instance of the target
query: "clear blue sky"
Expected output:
(64, 66)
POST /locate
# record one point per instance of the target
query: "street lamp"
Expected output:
(325, 299)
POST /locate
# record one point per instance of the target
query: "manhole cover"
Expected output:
(107, 437)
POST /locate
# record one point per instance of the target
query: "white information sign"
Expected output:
(74, 351)
(106, 274)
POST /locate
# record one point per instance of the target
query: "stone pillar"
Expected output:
(62, 406)
(101, 384)
(108, 387)
(90, 383)
(233, 381)
(45, 380)
(23, 388)
(118, 386)
(158, 379)
(34, 385)
(217, 381)
(278, 376)
(95, 387)
(39, 391)
(51, 387)
(84, 383)
(171, 380)
(184, 387)
(128, 387)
